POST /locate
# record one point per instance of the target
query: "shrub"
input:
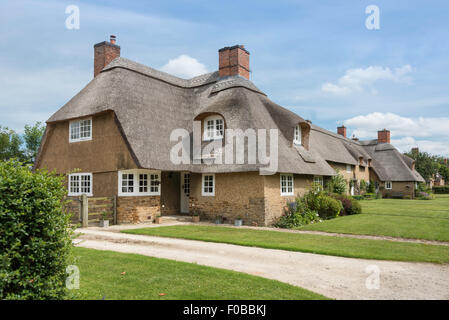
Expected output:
(440, 190)
(296, 215)
(363, 186)
(379, 195)
(369, 196)
(356, 208)
(424, 196)
(357, 197)
(327, 207)
(35, 237)
(337, 184)
(350, 205)
(371, 187)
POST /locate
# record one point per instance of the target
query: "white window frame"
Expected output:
(208, 194)
(136, 183)
(287, 177)
(297, 135)
(80, 175)
(78, 121)
(348, 168)
(319, 180)
(213, 133)
(388, 185)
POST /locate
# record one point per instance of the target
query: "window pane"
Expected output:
(154, 183)
(143, 183)
(219, 128)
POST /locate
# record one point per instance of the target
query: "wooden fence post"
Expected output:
(85, 211)
(115, 210)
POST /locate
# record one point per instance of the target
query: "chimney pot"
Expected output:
(104, 53)
(233, 61)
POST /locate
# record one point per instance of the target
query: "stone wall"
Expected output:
(407, 189)
(236, 195)
(274, 203)
(137, 209)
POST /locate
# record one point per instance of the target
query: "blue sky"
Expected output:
(316, 58)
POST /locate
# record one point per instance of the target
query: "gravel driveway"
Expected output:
(334, 277)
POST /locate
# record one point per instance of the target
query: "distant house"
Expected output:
(117, 132)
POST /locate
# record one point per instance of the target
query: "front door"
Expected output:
(185, 192)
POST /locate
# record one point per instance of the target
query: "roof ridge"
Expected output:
(124, 63)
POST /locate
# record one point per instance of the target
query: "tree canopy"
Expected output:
(23, 148)
(429, 165)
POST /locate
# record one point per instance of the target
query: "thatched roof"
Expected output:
(149, 104)
(386, 161)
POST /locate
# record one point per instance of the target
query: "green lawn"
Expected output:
(329, 245)
(146, 278)
(416, 219)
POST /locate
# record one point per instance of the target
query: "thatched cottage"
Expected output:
(116, 134)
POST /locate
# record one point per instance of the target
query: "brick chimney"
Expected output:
(383, 136)
(104, 53)
(341, 131)
(233, 61)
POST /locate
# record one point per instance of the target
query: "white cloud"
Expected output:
(356, 80)
(405, 131)
(367, 125)
(434, 147)
(184, 67)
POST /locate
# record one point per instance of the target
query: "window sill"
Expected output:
(212, 139)
(79, 194)
(287, 194)
(80, 140)
(138, 194)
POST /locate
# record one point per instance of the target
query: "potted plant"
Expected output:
(158, 219)
(219, 219)
(195, 217)
(104, 222)
(238, 222)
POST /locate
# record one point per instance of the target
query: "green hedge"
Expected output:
(441, 190)
(35, 237)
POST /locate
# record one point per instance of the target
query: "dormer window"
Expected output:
(80, 130)
(298, 136)
(213, 128)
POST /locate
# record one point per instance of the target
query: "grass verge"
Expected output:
(113, 275)
(414, 219)
(320, 244)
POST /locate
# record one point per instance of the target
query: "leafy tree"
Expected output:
(363, 185)
(371, 187)
(25, 148)
(443, 169)
(10, 143)
(33, 136)
(337, 184)
(425, 163)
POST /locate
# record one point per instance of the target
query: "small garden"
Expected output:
(320, 204)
